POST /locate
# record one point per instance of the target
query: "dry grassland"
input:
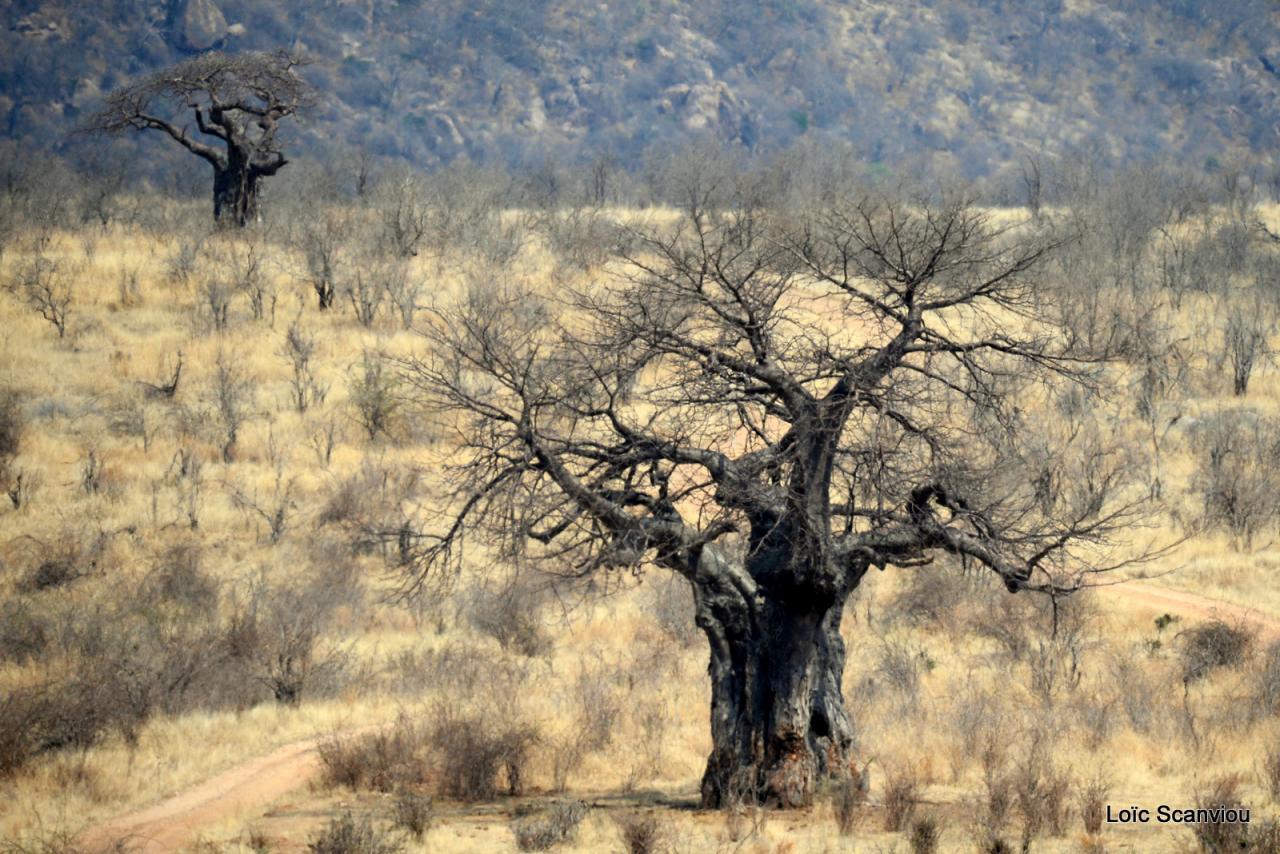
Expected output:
(972, 719)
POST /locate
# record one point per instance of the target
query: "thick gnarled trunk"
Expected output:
(235, 194)
(778, 723)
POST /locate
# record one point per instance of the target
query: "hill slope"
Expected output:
(967, 86)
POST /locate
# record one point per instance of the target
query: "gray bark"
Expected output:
(778, 720)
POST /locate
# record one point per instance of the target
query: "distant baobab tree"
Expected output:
(237, 101)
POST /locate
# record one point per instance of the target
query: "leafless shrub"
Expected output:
(374, 393)
(323, 241)
(932, 597)
(45, 285)
(232, 396)
(348, 835)
(1235, 478)
(272, 508)
(925, 835)
(901, 664)
(512, 616)
(12, 425)
(215, 302)
(68, 555)
(1264, 676)
(595, 714)
(404, 290)
(553, 827)
(276, 629)
(413, 812)
(1216, 836)
(1245, 332)
(642, 832)
(179, 577)
(305, 390)
(25, 632)
(478, 752)
(1269, 770)
(670, 602)
(366, 289)
(181, 263)
(384, 761)
(1091, 799)
(1042, 792)
(20, 715)
(901, 796)
(848, 795)
(1212, 645)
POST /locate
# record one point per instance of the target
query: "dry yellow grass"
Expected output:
(120, 339)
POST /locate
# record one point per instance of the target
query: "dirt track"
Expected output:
(245, 788)
(249, 787)
(1183, 604)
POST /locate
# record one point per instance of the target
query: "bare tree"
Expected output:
(1245, 333)
(46, 285)
(769, 411)
(323, 241)
(238, 102)
(232, 396)
(305, 390)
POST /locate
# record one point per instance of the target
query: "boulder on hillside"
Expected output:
(199, 24)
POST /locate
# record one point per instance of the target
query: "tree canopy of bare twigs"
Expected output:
(769, 405)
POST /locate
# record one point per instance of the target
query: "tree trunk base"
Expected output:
(777, 713)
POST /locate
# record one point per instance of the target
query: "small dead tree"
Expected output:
(45, 285)
(272, 508)
(404, 214)
(404, 289)
(375, 395)
(237, 101)
(232, 393)
(1245, 339)
(323, 244)
(305, 390)
(366, 289)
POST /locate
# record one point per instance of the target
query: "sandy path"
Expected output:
(249, 787)
(1180, 603)
(245, 788)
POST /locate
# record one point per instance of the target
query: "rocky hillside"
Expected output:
(964, 86)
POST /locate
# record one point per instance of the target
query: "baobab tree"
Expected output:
(237, 102)
(770, 406)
